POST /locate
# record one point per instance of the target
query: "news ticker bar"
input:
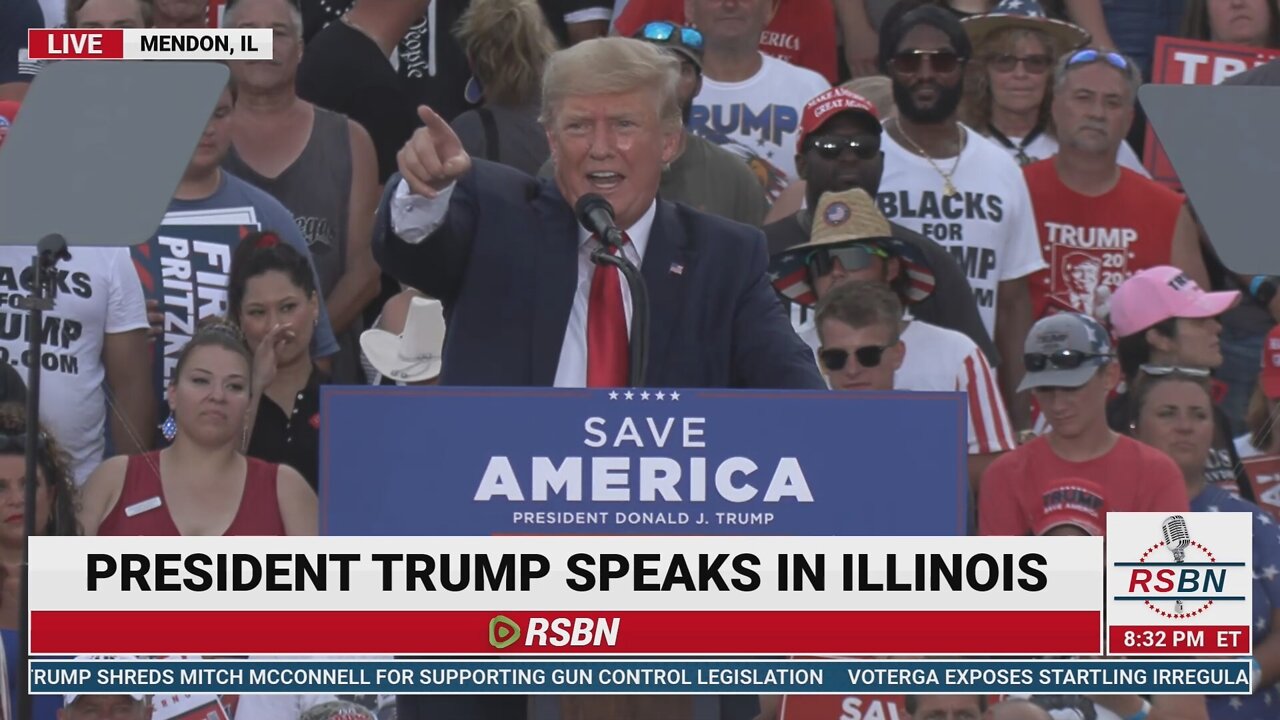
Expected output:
(150, 44)
(656, 677)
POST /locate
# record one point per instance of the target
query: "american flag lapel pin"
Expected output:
(677, 269)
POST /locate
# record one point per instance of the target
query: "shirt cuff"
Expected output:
(414, 217)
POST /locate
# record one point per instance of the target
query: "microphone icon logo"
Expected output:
(1176, 539)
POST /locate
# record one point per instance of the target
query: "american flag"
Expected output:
(677, 269)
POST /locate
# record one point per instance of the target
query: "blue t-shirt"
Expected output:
(43, 707)
(1265, 703)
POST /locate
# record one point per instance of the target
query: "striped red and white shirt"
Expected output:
(943, 360)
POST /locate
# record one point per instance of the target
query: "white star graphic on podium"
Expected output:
(629, 395)
(660, 395)
(644, 395)
(675, 395)
(613, 394)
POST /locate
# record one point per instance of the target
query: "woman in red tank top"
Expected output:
(202, 484)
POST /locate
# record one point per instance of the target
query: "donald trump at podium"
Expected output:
(503, 251)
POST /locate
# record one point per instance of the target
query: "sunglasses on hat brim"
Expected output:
(1060, 360)
(666, 32)
(868, 356)
(1163, 370)
(1115, 60)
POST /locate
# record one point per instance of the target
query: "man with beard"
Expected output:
(703, 175)
(954, 186)
(839, 150)
(1084, 199)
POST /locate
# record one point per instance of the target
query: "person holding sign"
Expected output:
(1255, 23)
(506, 256)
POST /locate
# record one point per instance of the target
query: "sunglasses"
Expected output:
(853, 257)
(1060, 360)
(1115, 60)
(830, 147)
(663, 32)
(1007, 63)
(1162, 370)
(909, 62)
(834, 359)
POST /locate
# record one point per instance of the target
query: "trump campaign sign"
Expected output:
(476, 461)
(1179, 61)
(1179, 584)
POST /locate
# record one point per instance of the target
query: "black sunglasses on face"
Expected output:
(852, 258)
(834, 359)
(1034, 64)
(830, 147)
(1060, 360)
(909, 62)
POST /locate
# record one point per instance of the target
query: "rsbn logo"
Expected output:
(554, 632)
(1179, 577)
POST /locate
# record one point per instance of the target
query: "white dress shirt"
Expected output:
(414, 217)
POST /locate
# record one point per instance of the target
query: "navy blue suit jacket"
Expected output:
(505, 266)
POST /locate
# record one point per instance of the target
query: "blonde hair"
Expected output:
(978, 102)
(603, 66)
(508, 43)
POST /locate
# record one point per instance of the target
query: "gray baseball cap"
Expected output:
(1065, 350)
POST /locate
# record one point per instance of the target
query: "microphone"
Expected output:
(596, 215)
(1176, 539)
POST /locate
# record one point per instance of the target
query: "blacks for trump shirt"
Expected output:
(988, 225)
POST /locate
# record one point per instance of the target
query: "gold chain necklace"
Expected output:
(949, 186)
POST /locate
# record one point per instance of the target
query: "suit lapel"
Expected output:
(665, 267)
(555, 280)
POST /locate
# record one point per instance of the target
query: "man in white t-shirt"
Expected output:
(851, 245)
(750, 102)
(955, 187)
(95, 345)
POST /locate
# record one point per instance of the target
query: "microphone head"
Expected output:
(590, 205)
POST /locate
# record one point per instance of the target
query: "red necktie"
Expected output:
(607, 344)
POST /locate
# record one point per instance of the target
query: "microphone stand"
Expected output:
(44, 286)
(639, 345)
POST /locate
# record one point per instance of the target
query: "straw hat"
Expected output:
(1026, 14)
(847, 218)
(415, 355)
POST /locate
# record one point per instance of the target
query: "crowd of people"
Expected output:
(835, 195)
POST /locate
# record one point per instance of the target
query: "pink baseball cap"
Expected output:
(830, 103)
(1156, 294)
(1071, 501)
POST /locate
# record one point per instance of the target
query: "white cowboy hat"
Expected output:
(414, 355)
